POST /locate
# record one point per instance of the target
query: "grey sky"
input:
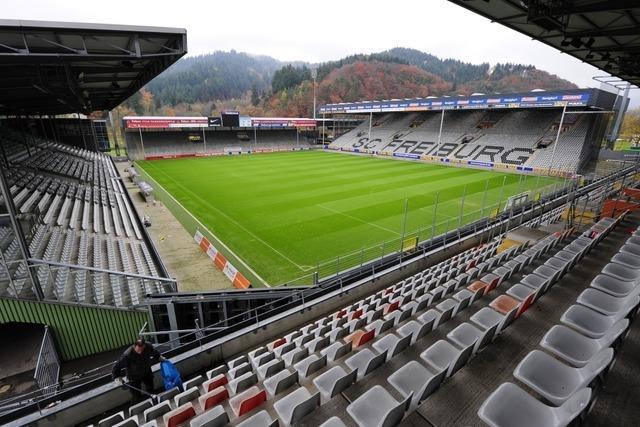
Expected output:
(320, 31)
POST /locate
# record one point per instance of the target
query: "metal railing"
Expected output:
(86, 285)
(501, 223)
(426, 224)
(48, 365)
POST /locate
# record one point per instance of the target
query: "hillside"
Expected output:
(220, 75)
(468, 78)
(261, 85)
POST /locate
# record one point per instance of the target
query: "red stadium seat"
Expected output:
(478, 286)
(278, 343)
(179, 415)
(247, 400)
(360, 337)
(392, 307)
(215, 382)
(214, 397)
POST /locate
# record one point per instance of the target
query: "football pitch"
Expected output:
(285, 214)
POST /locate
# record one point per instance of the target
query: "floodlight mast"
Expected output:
(314, 76)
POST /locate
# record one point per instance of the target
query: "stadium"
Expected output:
(440, 260)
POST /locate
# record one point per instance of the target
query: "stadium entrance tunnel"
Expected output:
(21, 343)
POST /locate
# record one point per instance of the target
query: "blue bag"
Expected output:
(170, 375)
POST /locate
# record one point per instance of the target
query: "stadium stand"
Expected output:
(292, 377)
(80, 216)
(158, 144)
(507, 137)
(582, 344)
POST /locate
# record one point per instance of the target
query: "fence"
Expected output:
(47, 366)
(444, 213)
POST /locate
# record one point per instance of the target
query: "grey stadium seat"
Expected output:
(187, 396)
(392, 344)
(297, 404)
(589, 322)
(486, 318)
(111, 420)
(336, 350)
(622, 272)
(575, 348)
(376, 407)
(627, 260)
(333, 422)
(556, 381)
(613, 286)
(309, 365)
(465, 335)
(415, 380)
(261, 419)
(444, 356)
(365, 361)
(509, 406)
(415, 329)
(280, 382)
(334, 381)
(214, 417)
(607, 304)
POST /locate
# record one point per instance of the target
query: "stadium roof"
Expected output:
(603, 33)
(61, 67)
(586, 98)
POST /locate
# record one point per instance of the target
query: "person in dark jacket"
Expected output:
(136, 361)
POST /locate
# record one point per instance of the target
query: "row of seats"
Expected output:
(17, 147)
(504, 137)
(99, 205)
(368, 333)
(570, 151)
(579, 350)
(82, 249)
(81, 216)
(158, 145)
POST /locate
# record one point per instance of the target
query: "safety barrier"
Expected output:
(221, 263)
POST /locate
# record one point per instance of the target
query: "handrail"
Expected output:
(101, 270)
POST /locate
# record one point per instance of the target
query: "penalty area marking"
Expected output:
(264, 282)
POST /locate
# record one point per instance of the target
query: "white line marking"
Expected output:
(360, 220)
(264, 282)
(235, 223)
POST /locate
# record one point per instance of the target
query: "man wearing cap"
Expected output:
(136, 361)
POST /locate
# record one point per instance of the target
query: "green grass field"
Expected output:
(286, 213)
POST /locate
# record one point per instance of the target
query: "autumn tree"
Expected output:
(146, 101)
(631, 126)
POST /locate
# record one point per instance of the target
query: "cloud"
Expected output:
(315, 32)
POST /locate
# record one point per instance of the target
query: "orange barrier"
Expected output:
(221, 262)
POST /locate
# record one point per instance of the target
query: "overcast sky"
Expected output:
(322, 30)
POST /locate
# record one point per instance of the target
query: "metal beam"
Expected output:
(19, 235)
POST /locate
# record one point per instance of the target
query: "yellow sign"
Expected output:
(536, 197)
(409, 244)
(494, 213)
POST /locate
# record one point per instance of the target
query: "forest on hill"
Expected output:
(263, 86)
